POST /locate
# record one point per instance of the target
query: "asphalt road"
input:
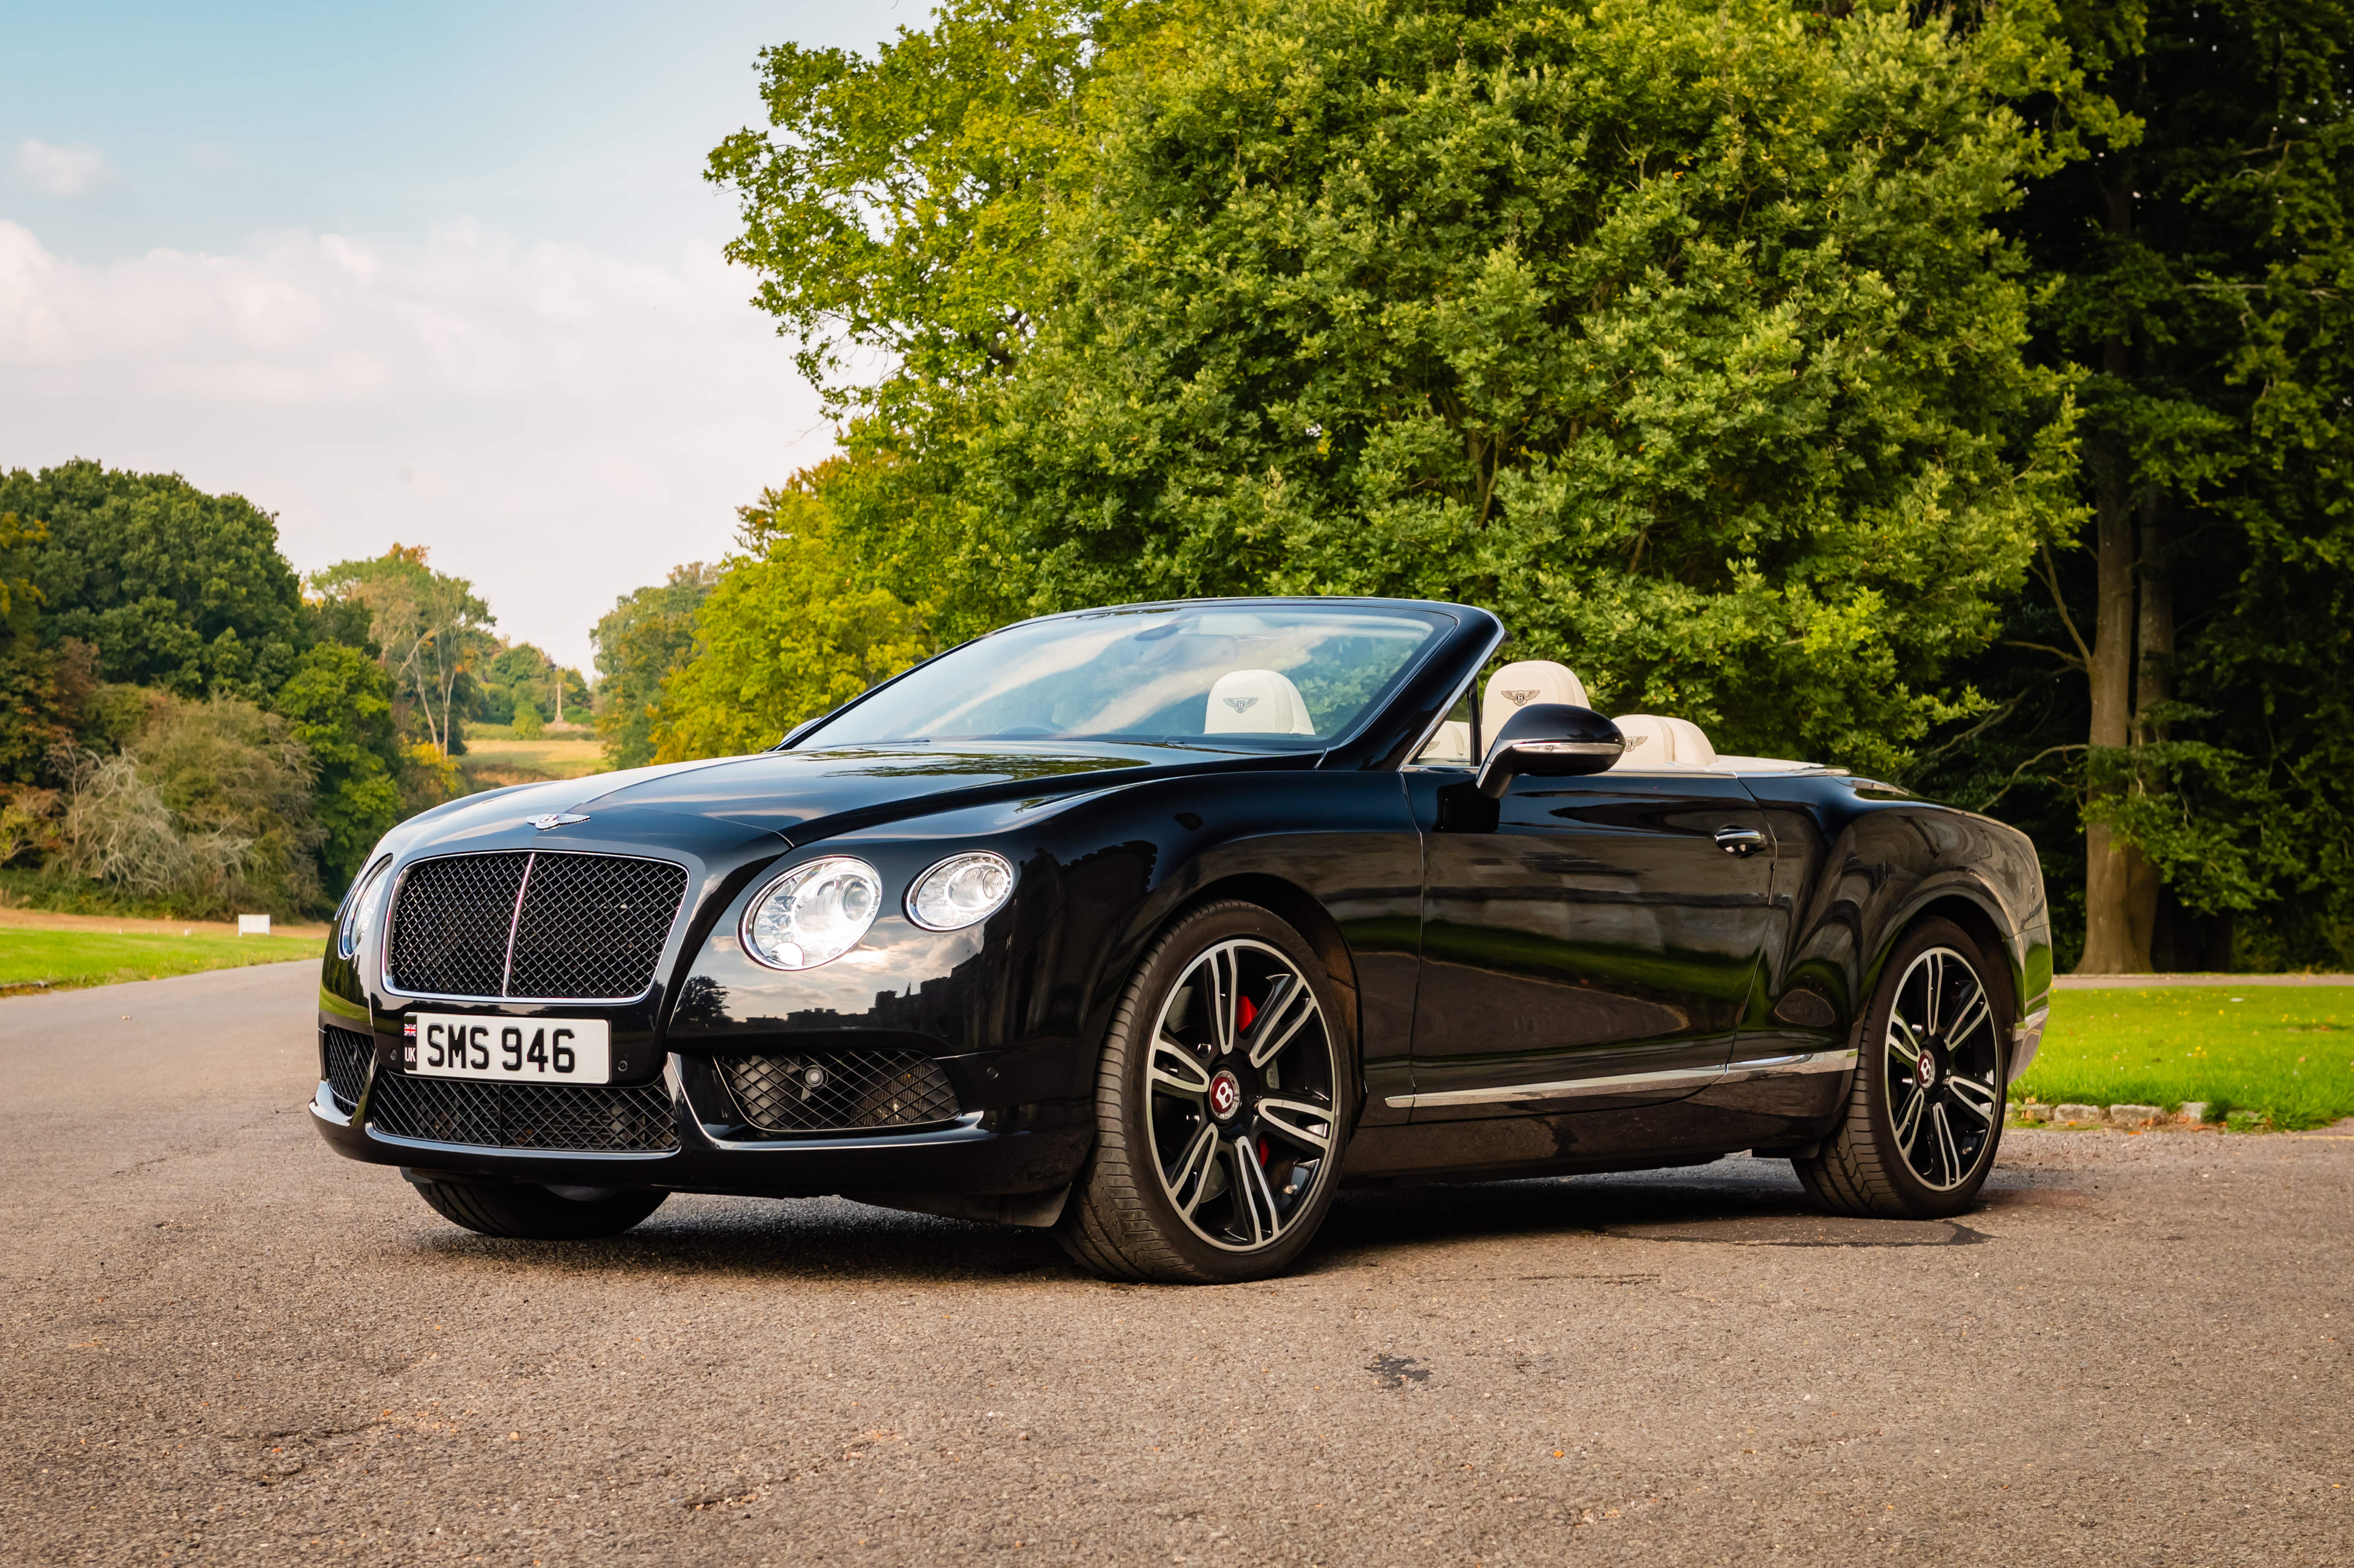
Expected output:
(224, 1344)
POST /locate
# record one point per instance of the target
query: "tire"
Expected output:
(1220, 1125)
(535, 1213)
(1924, 1118)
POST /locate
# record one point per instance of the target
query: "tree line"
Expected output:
(187, 728)
(1956, 393)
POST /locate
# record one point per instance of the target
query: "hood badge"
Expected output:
(556, 820)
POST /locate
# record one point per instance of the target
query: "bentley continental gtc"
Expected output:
(1158, 925)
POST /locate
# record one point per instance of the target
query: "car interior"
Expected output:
(1654, 741)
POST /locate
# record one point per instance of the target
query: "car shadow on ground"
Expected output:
(1757, 1204)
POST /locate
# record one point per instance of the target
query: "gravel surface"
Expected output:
(227, 1345)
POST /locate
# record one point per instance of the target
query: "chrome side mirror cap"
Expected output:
(1549, 740)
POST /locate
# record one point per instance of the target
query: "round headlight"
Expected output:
(360, 911)
(814, 914)
(961, 890)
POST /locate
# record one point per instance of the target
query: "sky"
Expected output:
(434, 274)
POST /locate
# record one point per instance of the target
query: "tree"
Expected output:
(2177, 686)
(518, 676)
(795, 627)
(175, 588)
(431, 628)
(1679, 333)
(339, 703)
(638, 643)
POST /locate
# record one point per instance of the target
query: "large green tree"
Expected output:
(1682, 334)
(432, 629)
(339, 703)
(174, 587)
(2177, 688)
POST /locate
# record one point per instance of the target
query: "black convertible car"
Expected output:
(1156, 925)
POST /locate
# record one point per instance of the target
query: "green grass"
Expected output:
(67, 959)
(2284, 1053)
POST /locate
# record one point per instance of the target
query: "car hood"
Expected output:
(801, 795)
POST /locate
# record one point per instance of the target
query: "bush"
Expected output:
(207, 809)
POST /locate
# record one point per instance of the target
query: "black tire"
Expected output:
(1256, 1141)
(535, 1213)
(1923, 1118)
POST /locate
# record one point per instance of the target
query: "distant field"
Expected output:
(2281, 1050)
(66, 959)
(493, 757)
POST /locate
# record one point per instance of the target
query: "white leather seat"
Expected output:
(1256, 702)
(1515, 686)
(1655, 741)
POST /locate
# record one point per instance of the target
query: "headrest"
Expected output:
(1515, 686)
(1256, 702)
(1653, 741)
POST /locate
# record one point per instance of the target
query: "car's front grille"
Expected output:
(839, 1091)
(598, 1118)
(533, 925)
(346, 1055)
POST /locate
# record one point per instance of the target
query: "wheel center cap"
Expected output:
(1226, 1096)
(1928, 1069)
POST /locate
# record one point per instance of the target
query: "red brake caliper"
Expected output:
(1245, 1011)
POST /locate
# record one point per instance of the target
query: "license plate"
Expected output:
(522, 1050)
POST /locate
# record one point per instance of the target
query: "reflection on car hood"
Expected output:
(825, 790)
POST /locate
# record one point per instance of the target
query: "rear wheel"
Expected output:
(1221, 1108)
(535, 1213)
(1924, 1116)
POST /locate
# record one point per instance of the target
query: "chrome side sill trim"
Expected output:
(1570, 1088)
(1789, 1066)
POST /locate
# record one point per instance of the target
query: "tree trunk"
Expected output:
(2112, 946)
(2114, 943)
(2153, 686)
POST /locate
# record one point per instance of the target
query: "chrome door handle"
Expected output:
(1741, 840)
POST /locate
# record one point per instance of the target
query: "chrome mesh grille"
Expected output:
(600, 1118)
(590, 926)
(345, 1053)
(839, 1091)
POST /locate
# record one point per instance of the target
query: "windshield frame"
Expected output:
(1447, 623)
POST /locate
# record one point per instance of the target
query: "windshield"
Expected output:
(1275, 676)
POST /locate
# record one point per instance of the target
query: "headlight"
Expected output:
(814, 914)
(359, 914)
(961, 890)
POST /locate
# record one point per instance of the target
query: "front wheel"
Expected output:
(1924, 1115)
(1221, 1108)
(535, 1213)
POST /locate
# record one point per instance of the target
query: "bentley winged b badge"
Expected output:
(556, 820)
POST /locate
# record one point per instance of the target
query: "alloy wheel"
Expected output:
(1941, 1054)
(1240, 1078)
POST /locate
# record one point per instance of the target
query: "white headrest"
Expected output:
(1653, 741)
(1256, 702)
(1515, 686)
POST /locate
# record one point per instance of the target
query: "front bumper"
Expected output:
(1010, 1150)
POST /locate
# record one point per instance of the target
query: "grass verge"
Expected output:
(2285, 1054)
(66, 960)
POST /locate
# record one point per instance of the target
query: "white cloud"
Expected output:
(74, 169)
(560, 425)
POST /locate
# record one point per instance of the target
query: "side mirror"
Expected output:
(1549, 740)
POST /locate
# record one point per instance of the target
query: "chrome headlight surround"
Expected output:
(963, 890)
(360, 911)
(812, 914)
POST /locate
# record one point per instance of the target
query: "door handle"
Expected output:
(1741, 840)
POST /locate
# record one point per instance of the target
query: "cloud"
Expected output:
(560, 425)
(74, 169)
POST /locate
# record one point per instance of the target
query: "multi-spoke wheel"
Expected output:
(1925, 1113)
(1222, 1107)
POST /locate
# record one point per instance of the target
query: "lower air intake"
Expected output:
(839, 1091)
(600, 1118)
(344, 1054)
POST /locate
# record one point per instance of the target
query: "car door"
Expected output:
(1586, 943)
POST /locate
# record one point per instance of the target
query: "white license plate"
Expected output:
(524, 1050)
